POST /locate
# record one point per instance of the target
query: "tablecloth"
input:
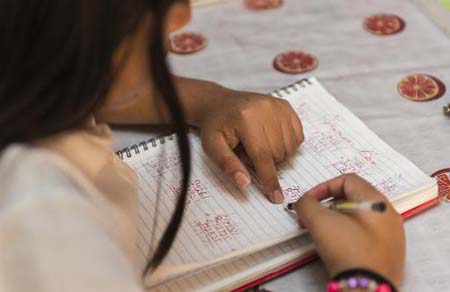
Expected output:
(361, 70)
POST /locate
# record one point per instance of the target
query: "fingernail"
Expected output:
(241, 179)
(277, 197)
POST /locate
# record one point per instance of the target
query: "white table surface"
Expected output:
(362, 71)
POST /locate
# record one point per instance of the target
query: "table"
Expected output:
(362, 71)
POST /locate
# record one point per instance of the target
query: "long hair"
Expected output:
(56, 68)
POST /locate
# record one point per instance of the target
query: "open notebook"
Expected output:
(231, 239)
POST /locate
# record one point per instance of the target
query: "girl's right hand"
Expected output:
(365, 239)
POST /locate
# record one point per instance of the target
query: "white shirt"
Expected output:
(67, 216)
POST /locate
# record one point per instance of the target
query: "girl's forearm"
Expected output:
(147, 107)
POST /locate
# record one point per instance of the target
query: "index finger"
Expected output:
(259, 152)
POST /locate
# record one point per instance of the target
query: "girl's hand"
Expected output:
(268, 129)
(365, 239)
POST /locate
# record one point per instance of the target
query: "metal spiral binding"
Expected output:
(281, 92)
(142, 146)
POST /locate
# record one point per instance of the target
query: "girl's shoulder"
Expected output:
(30, 172)
(47, 220)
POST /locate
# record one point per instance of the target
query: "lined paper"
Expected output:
(219, 219)
(222, 222)
(239, 271)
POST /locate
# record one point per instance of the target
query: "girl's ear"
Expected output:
(179, 15)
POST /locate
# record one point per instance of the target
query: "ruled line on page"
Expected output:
(221, 220)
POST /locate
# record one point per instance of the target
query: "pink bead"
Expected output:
(383, 288)
(333, 287)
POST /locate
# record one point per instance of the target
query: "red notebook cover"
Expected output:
(313, 255)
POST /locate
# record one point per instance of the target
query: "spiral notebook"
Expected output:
(232, 239)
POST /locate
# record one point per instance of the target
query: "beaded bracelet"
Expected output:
(360, 279)
(357, 283)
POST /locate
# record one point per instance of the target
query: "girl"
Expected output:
(68, 205)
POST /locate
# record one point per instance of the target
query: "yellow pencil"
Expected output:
(350, 206)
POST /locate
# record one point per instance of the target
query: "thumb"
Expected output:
(221, 153)
(311, 212)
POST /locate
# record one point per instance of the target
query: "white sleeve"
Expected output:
(55, 243)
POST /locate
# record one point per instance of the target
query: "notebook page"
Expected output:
(221, 221)
(337, 142)
(241, 270)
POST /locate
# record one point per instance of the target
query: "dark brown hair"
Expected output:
(56, 68)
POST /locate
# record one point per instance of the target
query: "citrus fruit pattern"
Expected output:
(443, 178)
(263, 4)
(384, 24)
(421, 87)
(187, 43)
(295, 62)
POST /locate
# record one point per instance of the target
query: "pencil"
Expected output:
(350, 206)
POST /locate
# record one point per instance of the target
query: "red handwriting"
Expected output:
(387, 186)
(215, 230)
(351, 165)
(369, 156)
(301, 109)
(196, 192)
(162, 165)
(330, 138)
(332, 120)
(327, 140)
(292, 193)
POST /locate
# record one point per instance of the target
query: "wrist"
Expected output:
(360, 280)
(200, 98)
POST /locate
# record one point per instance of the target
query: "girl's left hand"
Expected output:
(267, 127)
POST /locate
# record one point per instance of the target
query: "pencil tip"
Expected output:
(290, 207)
(379, 206)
